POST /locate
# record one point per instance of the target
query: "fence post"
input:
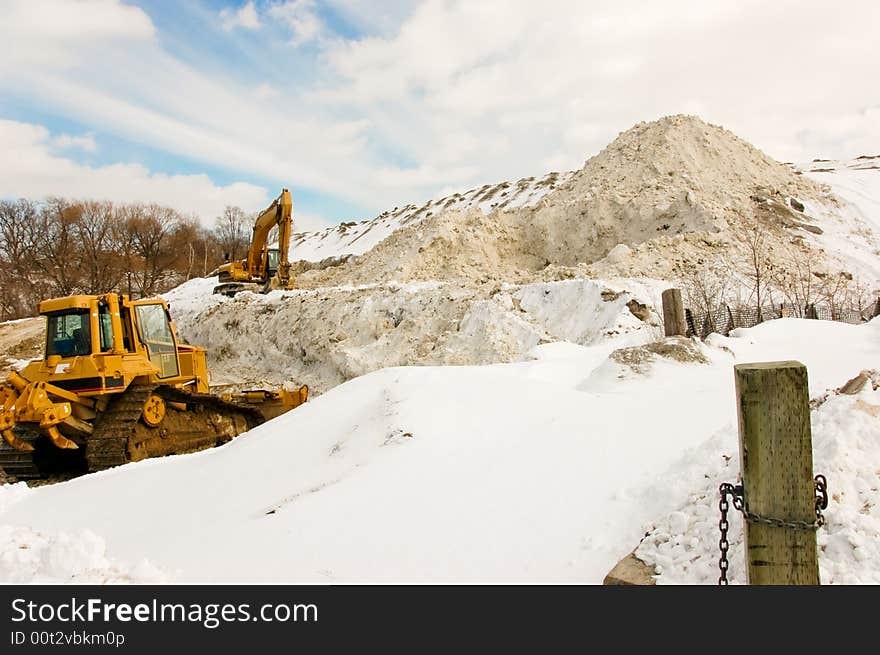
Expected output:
(673, 313)
(776, 457)
(812, 312)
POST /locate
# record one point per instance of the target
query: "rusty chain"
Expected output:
(737, 494)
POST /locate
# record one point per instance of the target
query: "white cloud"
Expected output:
(60, 32)
(245, 17)
(306, 222)
(29, 169)
(266, 91)
(374, 17)
(85, 142)
(300, 18)
(511, 87)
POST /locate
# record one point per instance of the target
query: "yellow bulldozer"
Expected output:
(115, 386)
(264, 268)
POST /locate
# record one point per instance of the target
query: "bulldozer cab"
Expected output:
(154, 332)
(81, 326)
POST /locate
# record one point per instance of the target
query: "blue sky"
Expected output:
(360, 106)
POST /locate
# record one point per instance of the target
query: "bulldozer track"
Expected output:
(108, 444)
(251, 415)
(120, 437)
(19, 464)
(44, 462)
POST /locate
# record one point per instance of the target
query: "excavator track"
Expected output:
(192, 422)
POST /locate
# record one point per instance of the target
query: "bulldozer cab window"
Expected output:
(105, 327)
(155, 333)
(68, 334)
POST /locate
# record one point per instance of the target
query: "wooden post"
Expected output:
(776, 457)
(673, 313)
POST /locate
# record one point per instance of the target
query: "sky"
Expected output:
(358, 107)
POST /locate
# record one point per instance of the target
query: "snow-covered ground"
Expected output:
(546, 470)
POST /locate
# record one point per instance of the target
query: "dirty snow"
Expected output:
(323, 337)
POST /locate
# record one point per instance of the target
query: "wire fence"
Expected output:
(725, 318)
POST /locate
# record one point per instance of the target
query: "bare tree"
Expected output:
(101, 267)
(757, 267)
(17, 222)
(795, 278)
(232, 230)
(706, 290)
(57, 255)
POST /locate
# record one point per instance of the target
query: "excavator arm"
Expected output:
(277, 214)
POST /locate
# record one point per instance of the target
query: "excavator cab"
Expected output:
(271, 262)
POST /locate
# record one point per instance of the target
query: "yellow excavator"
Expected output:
(264, 268)
(116, 385)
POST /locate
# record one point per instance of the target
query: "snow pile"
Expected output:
(664, 197)
(545, 470)
(852, 231)
(53, 557)
(326, 336)
(192, 297)
(358, 238)
(683, 545)
(446, 284)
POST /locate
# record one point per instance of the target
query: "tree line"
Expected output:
(59, 247)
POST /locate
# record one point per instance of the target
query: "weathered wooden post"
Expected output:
(776, 457)
(673, 313)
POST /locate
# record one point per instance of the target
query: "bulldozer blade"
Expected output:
(15, 442)
(59, 439)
